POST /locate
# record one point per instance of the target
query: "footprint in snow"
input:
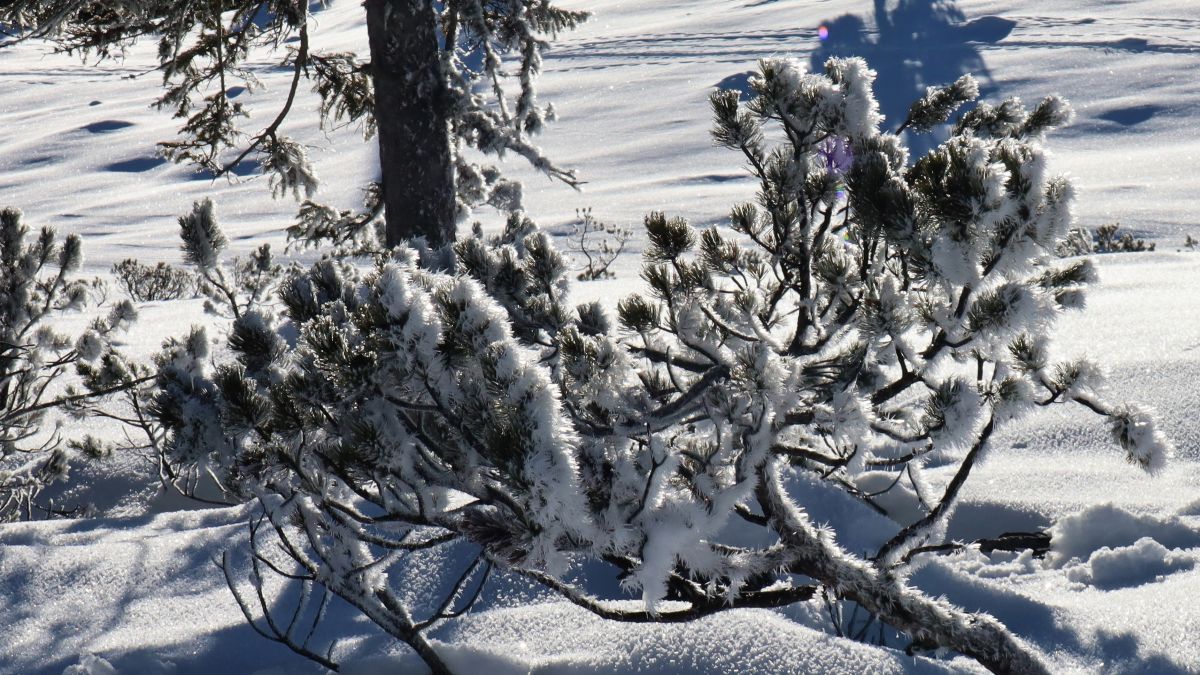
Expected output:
(1130, 116)
(244, 169)
(136, 165)
(106, 126)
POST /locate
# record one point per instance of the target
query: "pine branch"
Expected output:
(946, 504)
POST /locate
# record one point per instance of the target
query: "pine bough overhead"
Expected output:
(443, 80)
(863, 315)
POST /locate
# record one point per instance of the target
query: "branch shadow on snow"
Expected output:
(74, 601)
(1024, 616)
(1124, 655)
(739, 82)
(914, 44)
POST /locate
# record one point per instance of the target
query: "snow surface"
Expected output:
(136, 592)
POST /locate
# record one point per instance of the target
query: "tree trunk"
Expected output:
(411, 109)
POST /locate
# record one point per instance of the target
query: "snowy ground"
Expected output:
(77, 152)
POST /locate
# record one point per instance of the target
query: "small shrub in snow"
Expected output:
(37, 281)
(862, 315)
(598, 243)
(1110, 239)
(143, 283)
(1107, 239)
(237, 289)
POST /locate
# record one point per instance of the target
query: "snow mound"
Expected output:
(1145, 561)
(559, 638)
(1004, 564)
(1190, 509)
(1109, 526)
(90, 664)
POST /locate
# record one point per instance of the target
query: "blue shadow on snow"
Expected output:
(914, 44)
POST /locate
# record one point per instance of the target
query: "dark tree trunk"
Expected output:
(411, 111)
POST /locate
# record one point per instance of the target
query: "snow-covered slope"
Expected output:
(77, 151)
(631, 87)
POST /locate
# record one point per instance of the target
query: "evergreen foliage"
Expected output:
(126, 389)
(345, 232)
(939, 103)
(37, 281)
(234, 289)
(1077, 242)
(863, 315)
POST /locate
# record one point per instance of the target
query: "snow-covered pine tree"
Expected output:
(388, 412)
(436, 86)
(38, 282)
(864, 315)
